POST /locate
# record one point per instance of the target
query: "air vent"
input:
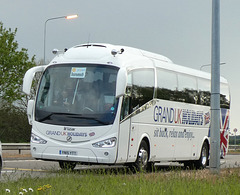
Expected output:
(90, 45)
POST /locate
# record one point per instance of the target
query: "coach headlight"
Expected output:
(107, 143)
(37, 140)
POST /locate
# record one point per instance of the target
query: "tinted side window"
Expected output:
(204, 92)
(142, 87)
(126, 109)
(224, 96)
(187, 89)
(166, 84)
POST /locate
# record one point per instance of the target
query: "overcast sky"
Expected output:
(178, 29)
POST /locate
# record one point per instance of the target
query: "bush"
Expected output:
(14, 126)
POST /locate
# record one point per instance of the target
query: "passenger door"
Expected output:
(125, 123)
(123, 141)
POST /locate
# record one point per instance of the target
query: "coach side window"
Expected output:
(143, 87)
(127, 98)
(166, 84)
(224, 96)
(204, 91)
(187, 89)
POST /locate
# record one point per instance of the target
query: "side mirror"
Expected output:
(121, 82)
(28, 78)
(30, 111)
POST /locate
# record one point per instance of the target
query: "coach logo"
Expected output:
(69, 138)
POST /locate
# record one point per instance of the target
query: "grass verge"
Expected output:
(108, 182)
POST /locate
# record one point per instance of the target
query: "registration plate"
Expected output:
(65, 152)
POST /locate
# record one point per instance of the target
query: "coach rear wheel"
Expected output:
(203, 160)
(65, 165)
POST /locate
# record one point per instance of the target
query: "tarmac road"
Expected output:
(23, 166)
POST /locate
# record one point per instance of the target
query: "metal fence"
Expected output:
(15, 146)
(19, 147)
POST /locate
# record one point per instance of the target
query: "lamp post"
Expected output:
(45, 29)
(215, 90)
(210, 65)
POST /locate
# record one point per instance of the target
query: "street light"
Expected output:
(215, 90)
(45, 29)
(210, 65)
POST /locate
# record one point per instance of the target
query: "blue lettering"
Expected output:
(155, 115)
(178, 116)
(164, 116)
(171, 115)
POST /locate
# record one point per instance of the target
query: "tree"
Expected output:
(13, 65)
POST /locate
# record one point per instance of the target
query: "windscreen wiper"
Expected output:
(49, 116)
(85, 117)
(71, 115)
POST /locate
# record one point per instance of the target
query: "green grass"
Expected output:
(109, 182)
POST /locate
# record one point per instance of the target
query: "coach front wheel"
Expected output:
(142, 164)
(65, 165)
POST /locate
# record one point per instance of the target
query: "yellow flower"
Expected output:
(44, 187)
(47, 186)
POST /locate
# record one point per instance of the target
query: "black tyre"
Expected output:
(65, 165)
(203, 160)
(142, 163)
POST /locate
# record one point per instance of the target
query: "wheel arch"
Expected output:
(207, 140)
(143, 155)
